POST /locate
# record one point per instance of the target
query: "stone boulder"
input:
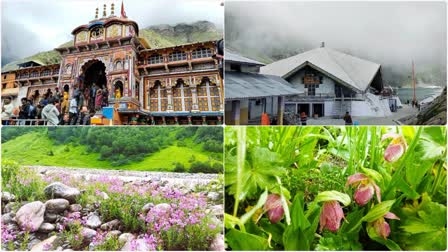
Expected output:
(8, 218)
(111, 225)
(217, 243)
(139, 245)
(147, 207)
(45, 245)
(93, 221)
(125, 237)
(47, 227)
(75, 208)
(8, 197)
(56, 205)
(88, 233)
(31, 216)
(59, 190)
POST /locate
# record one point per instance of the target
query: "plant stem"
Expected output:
(241, 158)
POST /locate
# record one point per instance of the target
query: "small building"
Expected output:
(249, 94)
(331, 83)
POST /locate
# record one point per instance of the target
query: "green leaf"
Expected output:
(372, 174)
(333, 195)
(298, 218)
(387, 242)
(238, 240)
(260, 204)
(231, 221)
(295, 239)
(406, 189)
(276, 230)
(378, 211)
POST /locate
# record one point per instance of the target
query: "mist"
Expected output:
(392, 34)
(30, 26)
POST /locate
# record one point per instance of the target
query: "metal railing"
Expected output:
(24, 122)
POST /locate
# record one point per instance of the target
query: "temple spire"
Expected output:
(123, 13)
(112, 11)
(104, 11)
(96, 13)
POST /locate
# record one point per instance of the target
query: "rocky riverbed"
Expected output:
(87, 209)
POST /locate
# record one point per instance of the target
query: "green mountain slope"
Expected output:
(35, 148)
(158, 36)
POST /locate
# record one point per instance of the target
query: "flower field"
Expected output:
(55, 211)
(335, 188)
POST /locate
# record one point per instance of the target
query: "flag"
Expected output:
(123, 13)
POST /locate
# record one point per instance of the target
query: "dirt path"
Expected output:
(171, 178)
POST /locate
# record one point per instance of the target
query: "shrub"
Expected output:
(179, 167)
(204, 167)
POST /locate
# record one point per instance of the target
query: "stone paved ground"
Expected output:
(390, 120)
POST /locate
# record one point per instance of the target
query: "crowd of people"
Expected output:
(55, 107)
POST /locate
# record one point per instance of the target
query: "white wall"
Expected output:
(327, 86)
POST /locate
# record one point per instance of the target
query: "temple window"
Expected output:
(118, 65)
(182, 98)
(158, 100)
(201, 53)
(56, 72)
(34, 74)
(155, 59)
(177, 56)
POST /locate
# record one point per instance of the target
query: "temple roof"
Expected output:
(252, 85)
(233, 57)
(347, 69)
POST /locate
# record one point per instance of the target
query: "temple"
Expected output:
(143, 85)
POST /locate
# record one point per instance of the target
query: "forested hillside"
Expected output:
(196, 149)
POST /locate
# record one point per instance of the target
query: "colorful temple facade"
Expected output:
(174, 85)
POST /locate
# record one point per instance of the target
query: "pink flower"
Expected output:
(331, 216)
(365, 188)
(274, 208)
(381, 227)
(396, 147)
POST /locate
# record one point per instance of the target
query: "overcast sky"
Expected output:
(387, 32)
(32, 26)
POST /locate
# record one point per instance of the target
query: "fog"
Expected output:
(390, 33)
(30, 26)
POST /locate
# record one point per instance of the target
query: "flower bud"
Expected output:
(274, 208)
(331, 216)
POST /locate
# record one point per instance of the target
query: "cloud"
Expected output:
(390, 33)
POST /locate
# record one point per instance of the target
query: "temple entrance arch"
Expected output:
(93, 73)
(91, 82)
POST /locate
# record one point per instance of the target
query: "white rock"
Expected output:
(125, 237)
(140, 245)
(214, 196)
(88, 233)
(8, 197)
(217, 243)
(93, 221)
(45, 244)
(47, 227)
(31, 216)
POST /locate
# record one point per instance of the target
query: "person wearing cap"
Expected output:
(7, 110)
(51, 113)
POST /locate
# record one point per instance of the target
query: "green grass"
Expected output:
(33, 149)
